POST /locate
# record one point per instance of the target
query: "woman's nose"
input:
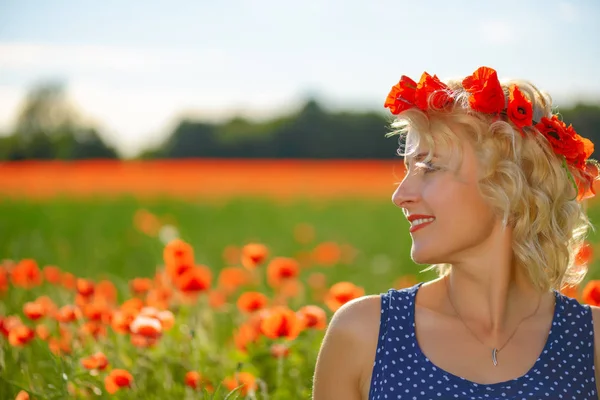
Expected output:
(406, 193)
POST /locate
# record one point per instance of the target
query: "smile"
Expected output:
(420, 223)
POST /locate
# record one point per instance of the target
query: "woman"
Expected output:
(493, 192)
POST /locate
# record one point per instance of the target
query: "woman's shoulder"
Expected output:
(348, 348)
(358, 317)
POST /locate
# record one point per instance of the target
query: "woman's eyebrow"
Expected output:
(419, 157)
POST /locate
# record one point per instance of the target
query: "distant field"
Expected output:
(202, 179)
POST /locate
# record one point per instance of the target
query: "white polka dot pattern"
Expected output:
(564, 370)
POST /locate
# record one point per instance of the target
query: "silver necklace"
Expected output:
(495, 350)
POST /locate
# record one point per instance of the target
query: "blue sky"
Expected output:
(135, 67)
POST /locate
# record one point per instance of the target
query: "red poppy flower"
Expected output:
(254, 254)
(430, 90)
(313, 317)
(341, 293)
(401, 96)
(281, 322)
(591, 293)
(281, 269)
(486, 92)
(520, 110)
(252, 301)
(565, 141)
(117, 379)
(246, 380)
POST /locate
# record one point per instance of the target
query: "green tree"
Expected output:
(49, 127)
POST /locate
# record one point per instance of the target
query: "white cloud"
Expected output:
(16, 56)
(497, 32)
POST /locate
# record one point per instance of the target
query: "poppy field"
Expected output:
(123, 297)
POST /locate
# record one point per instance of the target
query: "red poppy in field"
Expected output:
(121, 320)
(47, 304)
(117, 379)
(280, 269)
(570, 291)
(140, 286)
(246, 380)
(22, 395)
(52, 274)
(95, 361)
(33, 310)
(20, 335)
(7, 323)
(26, 274)
(66, 313)
(591, 293)
(195, 380)
(341, 293)
(281, 322)
(246, 333)
(96, 311)
(327, 254)
(252, 301)
(313, 317)
(3, 279)
(178, 257)
(106, 290)
(195, 279)
(85, 287)
(254, 254)
(146, 326)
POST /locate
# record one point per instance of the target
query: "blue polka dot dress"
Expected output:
(564, 370)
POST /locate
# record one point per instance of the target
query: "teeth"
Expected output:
(421, 221)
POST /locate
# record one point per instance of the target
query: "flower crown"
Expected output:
(487, 96)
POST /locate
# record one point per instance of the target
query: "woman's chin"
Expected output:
(424, 257)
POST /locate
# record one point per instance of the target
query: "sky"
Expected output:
(135, 68)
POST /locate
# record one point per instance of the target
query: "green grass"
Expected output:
(97, 238)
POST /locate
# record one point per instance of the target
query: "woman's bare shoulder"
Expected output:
(358, 316)
(348, 350)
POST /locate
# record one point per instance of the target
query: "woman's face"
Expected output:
(452, 218)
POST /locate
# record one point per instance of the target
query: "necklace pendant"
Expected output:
(494, 359)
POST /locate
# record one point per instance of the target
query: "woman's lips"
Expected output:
(415, 228)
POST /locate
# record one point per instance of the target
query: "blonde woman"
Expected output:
(494, 193)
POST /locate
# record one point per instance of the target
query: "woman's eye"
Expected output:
(427, 167)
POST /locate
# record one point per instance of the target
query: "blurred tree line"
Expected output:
(49, 128)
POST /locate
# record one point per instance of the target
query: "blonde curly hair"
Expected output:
(521, 177)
